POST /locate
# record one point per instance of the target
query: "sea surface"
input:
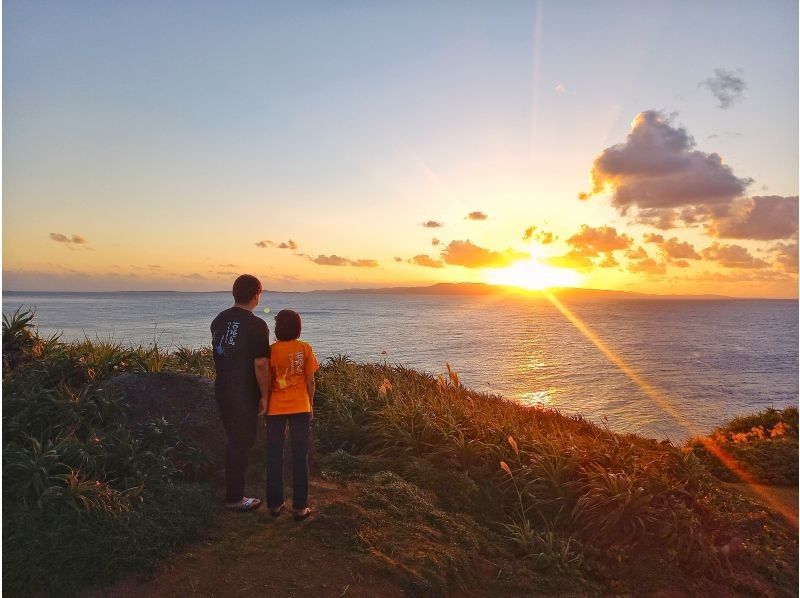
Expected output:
(705, 361)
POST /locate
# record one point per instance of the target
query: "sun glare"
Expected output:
(533, 274)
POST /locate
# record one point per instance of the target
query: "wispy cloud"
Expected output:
(726, 86)
(336, 260)
(426, 261)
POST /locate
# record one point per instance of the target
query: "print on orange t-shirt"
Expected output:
(290, 362)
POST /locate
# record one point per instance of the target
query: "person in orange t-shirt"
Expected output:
(291, 400)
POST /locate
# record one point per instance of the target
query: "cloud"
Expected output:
(653, 238)
(786, 256)
(193, 276)
(227, 265)
(225, 273)
(601, 239)
(675, 249)
(647, 266)
(573, 259)
(762, 217)
(476, 216)
(636, 254)
(541, 236)
(154, 266)
(469, 255)
(608, 261)
(282, 245)
(364, 263)
(560, 88)
(68, 239)
(732, 256)
(680, 263)
(432, 224)
(726, 86)
(335, 260)
(398, 259)
(426, 260)
(435, 242)
(590, 242)
(657, 170)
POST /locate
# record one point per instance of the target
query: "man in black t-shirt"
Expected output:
(240, 343)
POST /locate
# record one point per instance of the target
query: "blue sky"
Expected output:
(179, 133)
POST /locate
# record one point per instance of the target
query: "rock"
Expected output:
(186, 401)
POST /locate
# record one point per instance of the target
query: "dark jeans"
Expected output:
(299, 428)
(240, 418)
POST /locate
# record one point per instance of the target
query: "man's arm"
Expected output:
(261, 365)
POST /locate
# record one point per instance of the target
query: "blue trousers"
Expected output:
(299, 429)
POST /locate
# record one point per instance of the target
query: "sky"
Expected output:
(641, 146)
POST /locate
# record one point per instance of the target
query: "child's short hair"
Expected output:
(245, 288)
(287, 325)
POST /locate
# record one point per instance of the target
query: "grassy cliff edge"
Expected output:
(449, 490)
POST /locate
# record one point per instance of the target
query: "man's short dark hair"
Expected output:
(245, 288)
(287, 325)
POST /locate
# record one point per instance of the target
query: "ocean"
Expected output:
(708, 360)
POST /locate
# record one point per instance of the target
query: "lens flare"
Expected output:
(663, 401)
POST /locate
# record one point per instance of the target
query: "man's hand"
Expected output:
(263, 404)
(311, 415)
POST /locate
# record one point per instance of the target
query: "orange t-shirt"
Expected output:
(290, 361)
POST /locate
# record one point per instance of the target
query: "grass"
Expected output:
(445, 476)
(765, 443)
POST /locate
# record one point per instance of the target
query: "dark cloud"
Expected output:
(732, 256)
(432, 224)
(265, 243)
(398, 259)
(786, 256)
(426, 260)
(68, 239)
(435, 242)
(469, 255)
(476, 216)
(658, 173)
(762, 217)
(288, 245)
(726, 86)
(335, 260)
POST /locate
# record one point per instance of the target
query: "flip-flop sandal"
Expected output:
(303, 516)
(276, 512)
(248, 504)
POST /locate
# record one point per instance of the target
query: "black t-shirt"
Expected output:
(238, 337)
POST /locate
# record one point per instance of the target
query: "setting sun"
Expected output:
(535, 275)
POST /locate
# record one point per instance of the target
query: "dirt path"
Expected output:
(257, 554)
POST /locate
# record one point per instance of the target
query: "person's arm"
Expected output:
(264, 382)
(311, 387)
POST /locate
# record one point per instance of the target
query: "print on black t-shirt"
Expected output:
(238, 338)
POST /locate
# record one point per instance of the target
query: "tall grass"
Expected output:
(86, 496)
(564, 491)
